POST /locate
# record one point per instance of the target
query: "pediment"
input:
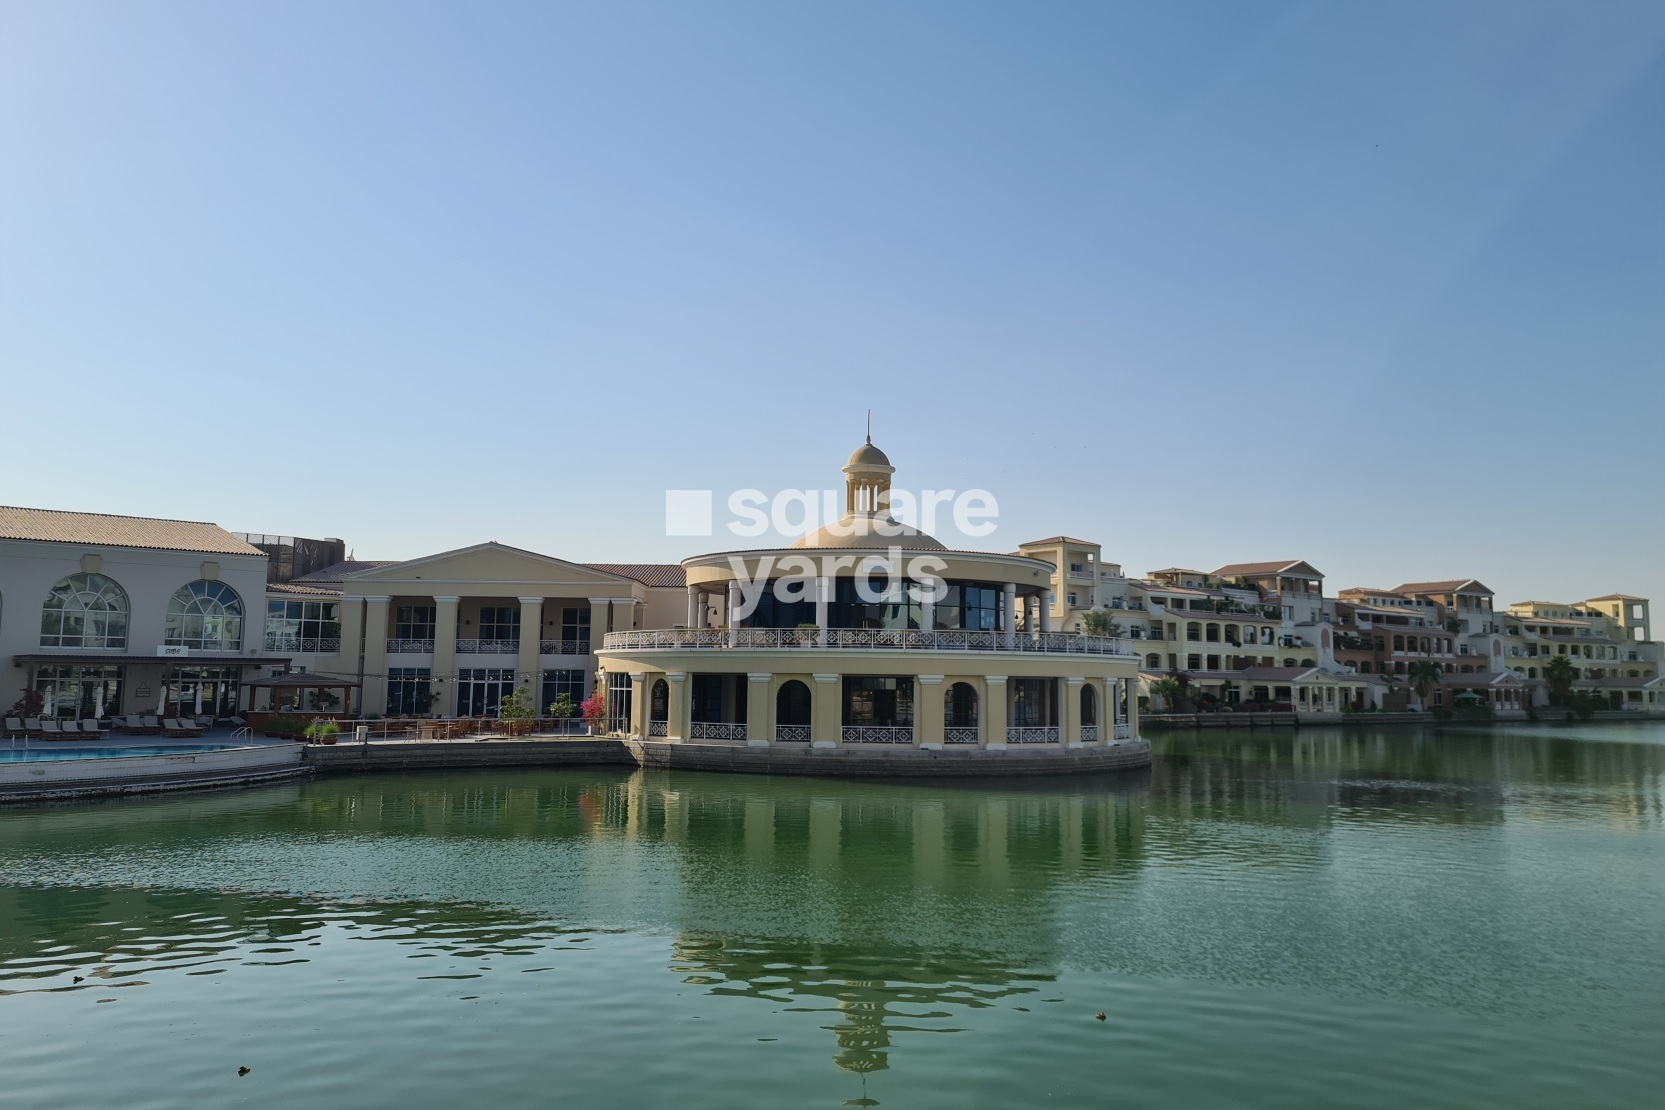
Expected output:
(488, 568)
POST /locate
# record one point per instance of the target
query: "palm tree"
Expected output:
(1560, 674)
(1424, 675)
(1169, 690)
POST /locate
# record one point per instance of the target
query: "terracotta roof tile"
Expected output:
(105, 530)
(648, 574)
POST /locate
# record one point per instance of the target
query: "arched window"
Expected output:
(792, 706)
(1399, 643)
(85, 611)
(1153, 662)
(1212, 633)
(1193, 631)
(659, 701)
(1364, 666)
(1089, 705)
(1289, 662)
(205, 615)
(1532, 672)
(959, 711)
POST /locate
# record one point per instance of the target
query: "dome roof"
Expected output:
(868, 455)
(862, 531)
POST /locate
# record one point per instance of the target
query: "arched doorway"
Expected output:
(792, 712)
(959, 714)
(1089, 713)
(659, 708)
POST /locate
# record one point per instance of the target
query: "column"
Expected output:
(625, 614)
(1132, 708)
(1071, 734)
(994, 712)
(352, 637)
(1008, 613)
(600, 614)
(529, 657)
(637, 728)
(1046, 613)
(694, 607)
(444, 678)
(373, 669)
(732, 607)
(760, 718)
(826, 715)
(823, 597)
(927, 712)
(1112, 714)
(676, 725)
(928, 612)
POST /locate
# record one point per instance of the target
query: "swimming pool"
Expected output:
(38, 755)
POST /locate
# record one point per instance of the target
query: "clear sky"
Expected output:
(1378, 285)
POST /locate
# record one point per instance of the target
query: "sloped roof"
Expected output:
(333, 574)
(303, 590)
(648, 574)
(1245, 570)
(106, 530)
(1051, 540)
(1618, 597)
(1450, 586)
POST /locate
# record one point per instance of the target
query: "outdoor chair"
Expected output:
(132, 723)
(49, 730)
(90, 725)
(151, 725)
(14, 726)
(179, 730)
(31, 726)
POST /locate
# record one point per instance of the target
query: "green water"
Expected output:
(1266, 920)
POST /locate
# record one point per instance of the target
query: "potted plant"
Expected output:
(518, 711)
(323, 731)
(595, 708)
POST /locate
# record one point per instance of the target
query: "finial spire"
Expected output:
(869, 425)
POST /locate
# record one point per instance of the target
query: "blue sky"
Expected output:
(1377, 285)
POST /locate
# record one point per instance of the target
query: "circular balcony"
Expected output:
(864, 639)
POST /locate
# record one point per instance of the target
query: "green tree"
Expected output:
(1170, 691)
(1098, 622)
(562, 706)
(1560, 673)
(517, 706)
(1424, 675)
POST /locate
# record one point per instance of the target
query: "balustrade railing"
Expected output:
(563, 647)
(1123, 731)
(324, 645)
(410, 647)
(658, 728)
(873, 639)
(716, 730)
(488, 647)
(878, 734)
(956, 735)
(1089, 734)
(792, 733)
(1029, 734)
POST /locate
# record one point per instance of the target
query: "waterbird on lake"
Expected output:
(242, 1070)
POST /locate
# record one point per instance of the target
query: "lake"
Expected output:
(1328, 917)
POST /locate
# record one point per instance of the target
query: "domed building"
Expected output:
(868, 646)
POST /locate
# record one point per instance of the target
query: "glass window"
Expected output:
(718, 698)
(849, 609)
(556, 683)
(772, 612)
(408, 691)
(414, 622)
(618, 701)
(78, 693)
(575, 625)
(205, 615)
(876, 702)
(792, 704)
(499, 622)
(974, 606)
(303, 626)
(85, 611)
(1034, 702)
(960, 710)
(480, 690)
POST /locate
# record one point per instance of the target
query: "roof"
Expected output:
(1617, 597)
(303, 589)
(1245, 570)
(105, 530)
(1476, 678)
(1449, 586)
(648, 574)
(333, 574)
(1053, 540)
(867, 455)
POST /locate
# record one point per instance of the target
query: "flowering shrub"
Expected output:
(595, 706)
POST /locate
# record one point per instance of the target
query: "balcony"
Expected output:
(877, 734)
(1032, 734)
(488, 647)
(410, 647)
(863, 639)
(563, 647)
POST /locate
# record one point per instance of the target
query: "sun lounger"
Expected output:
(14, 727)
(179, 730)
(71, 727)
(31, 726)
(134, 724)
(151, 725)
(90, 725)
(49, 730)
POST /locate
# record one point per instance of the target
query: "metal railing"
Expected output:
(873, 639)
(563, 647)
(792, 733)
(960, 735)
(1089, 734)
(878, 734)
(410, 647)
(324, 645)
(1031, 734)
(488, 647)
(1122, 731)
(716, 730)
(658, 728)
